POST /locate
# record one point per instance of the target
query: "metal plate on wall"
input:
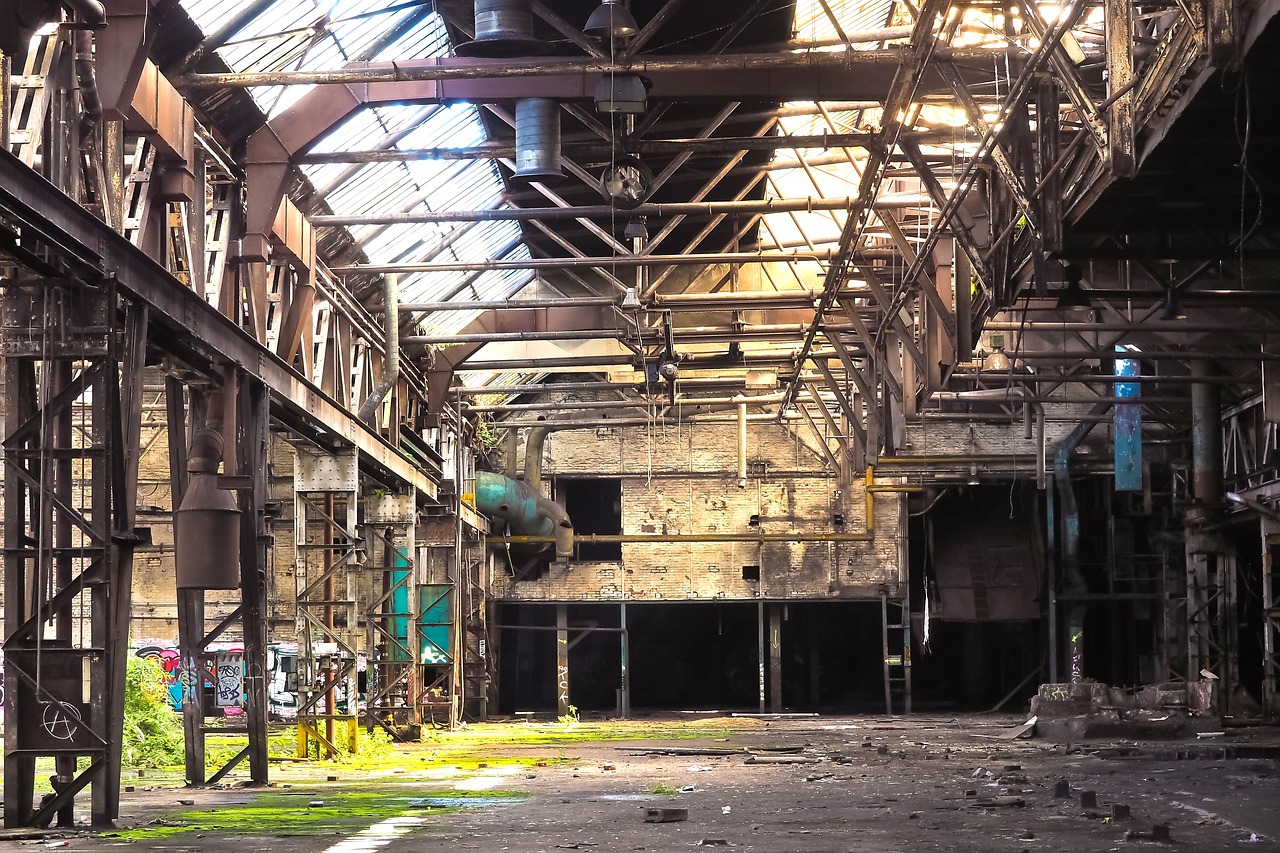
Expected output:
(55, 716)
(317, 470)
(385, 508)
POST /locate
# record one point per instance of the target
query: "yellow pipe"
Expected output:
(692, 537)
(965, 458)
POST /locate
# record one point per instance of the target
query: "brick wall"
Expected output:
(683, 480)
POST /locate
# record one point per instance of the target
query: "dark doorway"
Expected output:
(594, 506)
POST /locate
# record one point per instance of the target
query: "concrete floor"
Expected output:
(860, 784)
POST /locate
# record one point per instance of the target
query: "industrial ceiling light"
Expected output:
(1172, 306)
(610, 21)
(1073, 295)
(622, 94)
(631, 300)
(636, 229)
(997, 361)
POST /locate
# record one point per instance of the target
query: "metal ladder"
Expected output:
(896, 641)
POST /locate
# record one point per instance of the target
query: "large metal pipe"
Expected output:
(597, 150)
(206, 526)
(523, 508)
(503, 28)
(87, 78)
(742, 445)
(1206, 439)
(604, 211)
(720, 301)
(533, 455)
(608, 262)
(91, 13)
(391, 330)
(444, 68)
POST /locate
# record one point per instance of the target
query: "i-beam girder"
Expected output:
(194, 330)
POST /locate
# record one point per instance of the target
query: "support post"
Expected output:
(775, 658)
(252, 404)
(760, 652)
(624, 640)
(562, 659)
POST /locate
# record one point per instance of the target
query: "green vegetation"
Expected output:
(152, 731)
(286, 814)
(664, 790)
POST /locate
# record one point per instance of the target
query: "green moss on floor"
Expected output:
(286, 814)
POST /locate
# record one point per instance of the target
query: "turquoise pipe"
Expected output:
(522, 508)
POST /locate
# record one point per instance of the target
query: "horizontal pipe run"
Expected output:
(602, 211)
(503, 337)
(1086, 378)
(587, 405)
(541, 365)
(615, 538)
(1018, 400)
(712, 144)
(956, 459)
(447, 68)
(551, 387)
(723, 301)
(604, 262)
(1154, 325)
(582, 629)
(1225, 355)
(599, 423)
(509, 304)
(688, 334)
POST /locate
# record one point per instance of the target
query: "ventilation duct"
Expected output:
(523, 508)
(538, 139)
(206, 527)
(504, 28)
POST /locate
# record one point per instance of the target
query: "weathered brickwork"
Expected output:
(684, 480)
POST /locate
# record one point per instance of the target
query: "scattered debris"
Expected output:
(186, 802)
(726, 809)
(664, 815)
(1025, 730)
(315, 804)
(989, 802)
(1159, 832)
(781, 759)
(699, 768)
(712, 842)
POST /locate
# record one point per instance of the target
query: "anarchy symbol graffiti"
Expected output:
(61, 720)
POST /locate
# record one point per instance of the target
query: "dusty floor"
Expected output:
(856, 784)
